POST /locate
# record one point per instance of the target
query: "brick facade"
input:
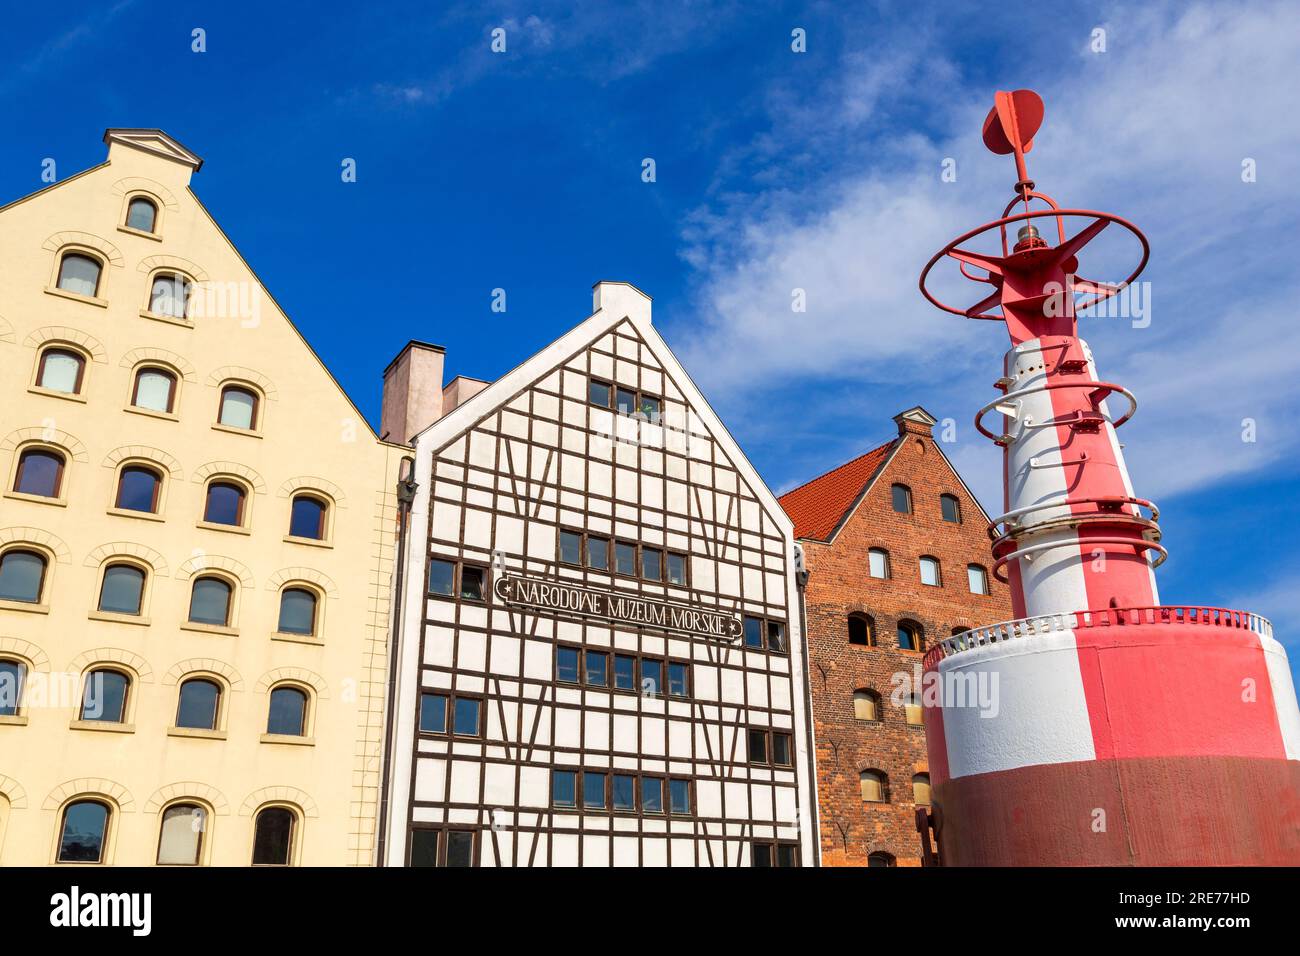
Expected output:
(839, 585)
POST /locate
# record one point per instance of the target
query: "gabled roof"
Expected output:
(819, 506)
(154, 141)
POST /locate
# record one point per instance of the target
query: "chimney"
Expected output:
(459, 391)
(413, 397)
(915, 421)
(623, 299)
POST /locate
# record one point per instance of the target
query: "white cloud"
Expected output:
(1154, 130)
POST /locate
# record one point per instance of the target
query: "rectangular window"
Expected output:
(625, 558)
(781, 749)
(776, 636)
(676, 568)
(679, 796)
(564, 788)
(593, 790)
(649, 407)
(652, 795)
(566, 665)
(652, 564)
(471, 583)
(460, 848)
(979, 581)
(951, 508)
(424, 847)
(753, 633)
(598, 393)
(624, 672)
(758, 746)
(878, 563)
(598, 553)
(626, 401)
(469, 713)
(570, 547)
(652, 677)
(678, 685)
(787, 854)
(930, 572)
(597, 668)
(442, 577)
(433, 713)
(762, 854)
(623, 791)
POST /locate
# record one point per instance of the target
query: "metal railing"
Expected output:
(1106, 617)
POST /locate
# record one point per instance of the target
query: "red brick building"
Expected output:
(897, 553)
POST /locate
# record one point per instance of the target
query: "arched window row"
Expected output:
(86, 830)
(868, 705)
(862, 632)
(900, 499)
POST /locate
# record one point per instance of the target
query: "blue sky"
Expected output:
(774, 171)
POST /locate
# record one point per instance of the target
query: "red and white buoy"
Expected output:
(1100, 727)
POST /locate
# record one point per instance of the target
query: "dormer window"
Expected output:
(141, 214)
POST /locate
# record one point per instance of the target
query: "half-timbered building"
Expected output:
(599, 659)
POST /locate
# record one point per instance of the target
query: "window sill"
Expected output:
(76, 297)
(298, 638)
(310, 542)
(249, 432)
(36, 499)
(198, 732)
(13, 720)
(228, 528)
(151, 413)
(132, 231)
(169, 319)
(128, 513)
(24, 606)
(119, 618)
(55, 393)
(217, 629)
(288, 739)
(103, 726)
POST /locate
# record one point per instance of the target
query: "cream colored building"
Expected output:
(193, 512)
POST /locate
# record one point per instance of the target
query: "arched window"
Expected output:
(141, 214)
(307, 518)
(104, 697)
(866, 705)
(210, 601)
(874, 786)
(180, 839)
(79, 273)
(950, 508)
(12, 676)
(901, 497)
(83, 832)
(880, 859)
(878, 563)
(123, 589)
(273, 835)
(40, 473)
(287, 714)
(61, 370)
(910, 636)
(154, 390)
(921, 788)
(913, 712)
(930, 574)
(862, 630)
(238, 407)
(297, 611)
(22, 576)
(170, 295)
(199, 704)
(225, 504)
(960, 629)
(138, 487)
(978, 579)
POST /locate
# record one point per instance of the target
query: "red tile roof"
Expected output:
(819, 506)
